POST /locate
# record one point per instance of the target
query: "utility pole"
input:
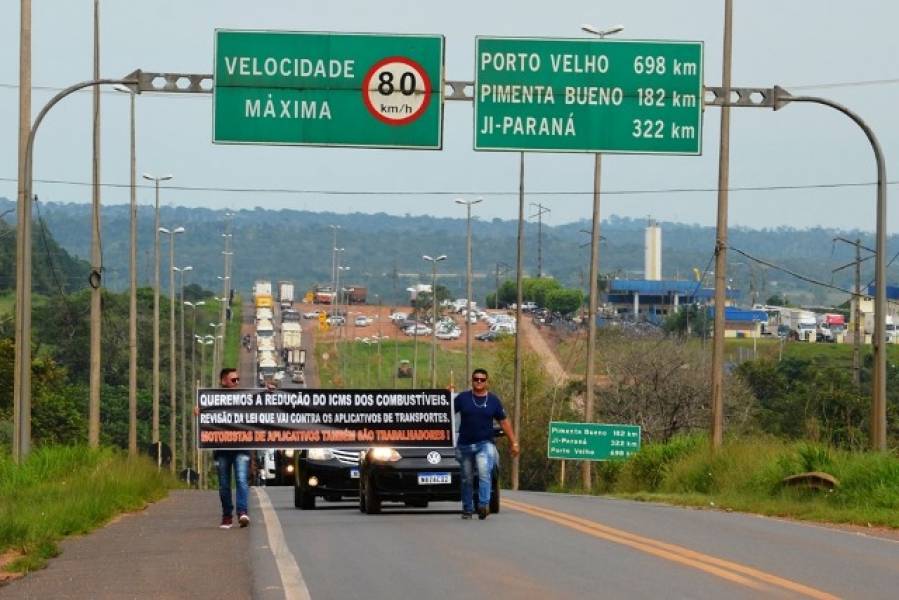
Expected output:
(96, 281)
(586, 466)
(226, 291)
(541, 210)
(856, 301)
(184, 417)
(132, 303)
(156, 259)
(334, 229)
(717, 433)
(22, 375)
(172, 377)
(519, 288)
(434, 261)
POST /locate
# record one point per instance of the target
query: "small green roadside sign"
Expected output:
(582, 95)
(592, 441)
(328, 89)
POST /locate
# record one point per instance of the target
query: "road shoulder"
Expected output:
(171, 549)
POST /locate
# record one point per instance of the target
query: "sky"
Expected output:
(841, 50)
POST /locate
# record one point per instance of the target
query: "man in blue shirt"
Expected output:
(478, 408)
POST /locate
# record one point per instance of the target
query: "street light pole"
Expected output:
(172, 376)
(156, 259)
(132, 302)
(184, 453)
(434, 262)
(468, 204)
(195, 306)
(516, 383)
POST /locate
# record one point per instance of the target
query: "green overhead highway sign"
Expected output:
(592, 441)
(582, 95)
(328, 89)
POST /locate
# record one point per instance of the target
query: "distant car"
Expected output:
(331, 473)
(290, 316)
(449, 334)
(311, 315)
(360, 321)
(336, 320)
(490, 336)
(298, 377)
(278, 376)
(399, 316)
(417, 330)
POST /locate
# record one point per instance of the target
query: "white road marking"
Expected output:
(291, 576)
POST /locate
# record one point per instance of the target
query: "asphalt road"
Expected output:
(556, 546)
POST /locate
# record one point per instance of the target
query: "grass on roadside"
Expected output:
(746, 475)
(355, 364)
(64, 490)
(232, 333)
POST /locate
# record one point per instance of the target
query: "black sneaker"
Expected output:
(466, 515)
(483, 511)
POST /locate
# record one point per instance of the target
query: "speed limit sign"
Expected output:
(396, 90)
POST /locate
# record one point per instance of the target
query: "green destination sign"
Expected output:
(582, 95)
(592, 441)
(328, 89)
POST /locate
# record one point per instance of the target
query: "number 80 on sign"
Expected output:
(396, 90)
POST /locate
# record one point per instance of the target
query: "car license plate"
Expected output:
(354, 473)
(434, 478)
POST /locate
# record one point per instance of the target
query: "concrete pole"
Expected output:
(22, 373)
(155, 437)
(586, 470)
(132, 304)
(173, 379)
(717, 421)
(184, 453)
(93, 426)
(519, 287)
(856, 326)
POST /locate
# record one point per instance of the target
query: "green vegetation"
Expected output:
(746, 475)
(354, 364)
(65, 490)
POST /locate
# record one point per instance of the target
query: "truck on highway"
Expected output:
(261, 287)
(266, 366)
(264, 301)
(802, 323)
(291, 335)
(285, 294)
(264, 314)
(355, 294)
(830, 327)
(323, 297)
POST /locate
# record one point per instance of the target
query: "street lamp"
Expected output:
(468, 204)
(434, 262)
(586, 472)
(172, 377)
(181, 272)
(215, 349)
(132, 298)
(195, 306)
(156, 228)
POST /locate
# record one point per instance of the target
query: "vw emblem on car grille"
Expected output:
(433, 457)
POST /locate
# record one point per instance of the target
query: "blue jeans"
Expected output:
(481, 456)
(240, 460)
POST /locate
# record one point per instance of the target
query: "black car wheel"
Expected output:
(372, 500)
(302, 499)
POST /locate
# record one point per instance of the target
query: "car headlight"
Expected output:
(384, 454)
(320, 454)
(288, 453)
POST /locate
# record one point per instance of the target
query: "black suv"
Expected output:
(331, 473)
(414, 476)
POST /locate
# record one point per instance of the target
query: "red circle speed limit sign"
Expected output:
(396, 90)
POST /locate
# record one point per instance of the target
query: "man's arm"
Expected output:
(507, 429)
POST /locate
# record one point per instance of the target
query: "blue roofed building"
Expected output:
(653, 301)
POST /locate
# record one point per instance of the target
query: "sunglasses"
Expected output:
(479, 379)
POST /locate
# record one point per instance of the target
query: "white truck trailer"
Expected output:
(291, 335)
(285, 294)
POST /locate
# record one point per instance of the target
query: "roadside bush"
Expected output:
(646, 470)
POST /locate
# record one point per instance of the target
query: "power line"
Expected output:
(332, 192)
(805, 278)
